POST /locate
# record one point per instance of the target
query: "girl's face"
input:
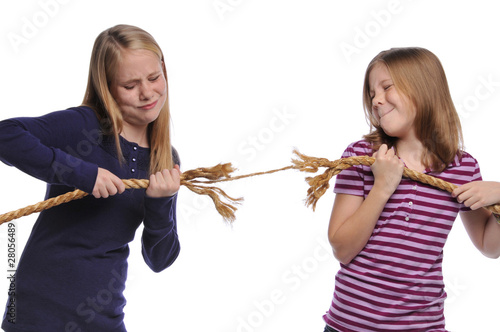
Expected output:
(139, 87)
(394, 111)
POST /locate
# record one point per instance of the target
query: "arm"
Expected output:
(480, 224)
(38, 147)
(353, 218)
(160, 243)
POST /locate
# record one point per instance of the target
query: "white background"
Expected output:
(249, 81)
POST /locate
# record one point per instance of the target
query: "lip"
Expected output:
(148, 106)
(385, 113)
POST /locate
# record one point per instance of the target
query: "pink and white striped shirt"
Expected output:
(395, 283)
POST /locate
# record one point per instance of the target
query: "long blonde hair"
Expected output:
(105, 58)
(418, 74)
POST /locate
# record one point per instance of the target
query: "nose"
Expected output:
(378, 100)
(146, 93)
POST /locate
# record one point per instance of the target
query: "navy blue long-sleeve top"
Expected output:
(72, 272)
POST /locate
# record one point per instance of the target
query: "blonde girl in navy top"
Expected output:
(388, 232)
(73, 270)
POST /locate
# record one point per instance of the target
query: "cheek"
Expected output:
(124, 98)
(393, 97)
(401, 100)
(116, 94)
(162, 87)
(374, 115)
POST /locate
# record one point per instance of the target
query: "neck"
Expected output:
(411, 152)
(137, 135)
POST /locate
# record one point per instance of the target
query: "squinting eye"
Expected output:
(387, 87)
(129, 87)
(155, 78)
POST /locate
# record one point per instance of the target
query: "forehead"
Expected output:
(379, 74)
(134, 64)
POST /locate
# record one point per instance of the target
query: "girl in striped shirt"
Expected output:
(388, 232)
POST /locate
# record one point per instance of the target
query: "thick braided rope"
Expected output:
(58, 200)
(320, 183)
(222, 173)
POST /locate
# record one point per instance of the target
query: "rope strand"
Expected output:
(319, 184)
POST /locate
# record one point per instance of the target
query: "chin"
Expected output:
(152, 116)
(391, 133)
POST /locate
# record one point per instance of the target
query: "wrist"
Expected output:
(383, 192)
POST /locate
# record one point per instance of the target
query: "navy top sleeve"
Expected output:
(38, 147)
(160, 243)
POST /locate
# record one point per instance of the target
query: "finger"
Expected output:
(464, 197)
(104, 192)
(114, 185)
(383, 150)
(119, 185)
(173, 179)
(176, 173)
(96, 193)
(476, 206)
(470, 202)
(459, 190)
(162, 178)
(167, 176)
(391, 153)
(111, 189)
(152, 180)
(177, 169)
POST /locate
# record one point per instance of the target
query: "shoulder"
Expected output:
(357, 172)
(352, 180)
(465, 159)
(58, 125)
(82, 113)
(175, 157)
(70, 119)
(464, 168)
(358, 148)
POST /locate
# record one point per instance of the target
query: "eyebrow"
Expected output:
(382, 82)
(134, 80)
